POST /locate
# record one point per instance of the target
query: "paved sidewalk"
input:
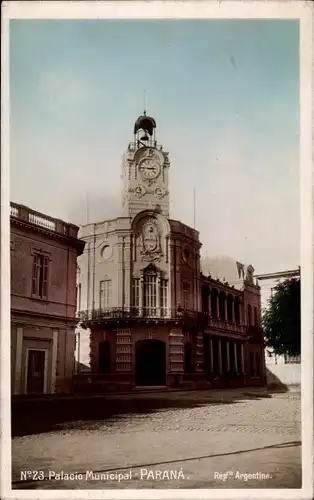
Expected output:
(213, 433)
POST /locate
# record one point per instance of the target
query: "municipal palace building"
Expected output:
(153, 315)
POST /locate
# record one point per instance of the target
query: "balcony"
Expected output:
(188, 319)
(221, 324)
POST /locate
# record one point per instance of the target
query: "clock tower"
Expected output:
(145, 171)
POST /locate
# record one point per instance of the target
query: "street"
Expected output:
(209, 439)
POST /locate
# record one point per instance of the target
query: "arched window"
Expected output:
(222, 300)
(186, 289)
(213, 303)
(230, 307)
(150, 291)
(237, 310)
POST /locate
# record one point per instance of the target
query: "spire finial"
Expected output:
(144, 102)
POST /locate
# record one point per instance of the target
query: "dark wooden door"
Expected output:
(36, 372)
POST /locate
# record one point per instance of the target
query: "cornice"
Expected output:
(74, 242)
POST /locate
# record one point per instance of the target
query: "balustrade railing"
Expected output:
(189, 317)
(14, 211)
(41, 221)
(137, 313)
(27, 214)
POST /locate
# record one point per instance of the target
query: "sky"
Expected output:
(224, 94)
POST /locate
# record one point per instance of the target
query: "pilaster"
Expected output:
(199, 352)
(235, 356)
(124, 350)
(18, 360)
(228, 355)
(55, 337)
(219, 356)
(176, 351)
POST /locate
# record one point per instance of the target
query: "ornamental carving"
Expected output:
(150, 241)
(141, 191)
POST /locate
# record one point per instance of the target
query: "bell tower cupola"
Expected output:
(145, 171)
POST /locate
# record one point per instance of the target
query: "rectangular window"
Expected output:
(135, 295)
(105, 294)
(40, 276)
(163, 297)
(186, 295)
(150, 295)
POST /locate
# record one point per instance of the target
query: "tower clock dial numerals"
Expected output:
(149, 168)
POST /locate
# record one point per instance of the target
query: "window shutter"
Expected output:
(34, 281)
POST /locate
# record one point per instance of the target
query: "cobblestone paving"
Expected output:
(214, 445)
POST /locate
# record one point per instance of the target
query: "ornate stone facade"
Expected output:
(140, 279)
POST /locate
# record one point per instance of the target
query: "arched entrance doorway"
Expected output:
(150, 362)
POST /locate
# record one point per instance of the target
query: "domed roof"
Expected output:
(146, 123)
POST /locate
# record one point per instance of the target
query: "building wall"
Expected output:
(61, 298)
(281, 373)
(43, 324)
(277, 370)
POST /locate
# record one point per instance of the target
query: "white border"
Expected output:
(187, 9)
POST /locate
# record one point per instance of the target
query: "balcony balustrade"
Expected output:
(189, 318)
(134, 313)
(26, 214)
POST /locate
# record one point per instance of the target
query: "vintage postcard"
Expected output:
(157, 250)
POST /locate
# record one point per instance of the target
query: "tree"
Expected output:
(282, 319)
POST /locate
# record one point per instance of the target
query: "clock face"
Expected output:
(149, 168)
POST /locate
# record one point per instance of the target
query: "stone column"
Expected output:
(140, 293)
(233, 311)
(235, 356)
(55, 334)
(242, 358)
(209, 304)
(226, 309)
(127, 272)
(199, 352)
(228, 355)
(211, 355)
(219, 356)
(217, 306)
(18, 361)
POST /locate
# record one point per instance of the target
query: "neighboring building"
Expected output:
(43, 301)
(154, 318)
(282, 369)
